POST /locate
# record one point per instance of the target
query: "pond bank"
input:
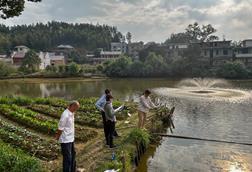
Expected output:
(29, 124)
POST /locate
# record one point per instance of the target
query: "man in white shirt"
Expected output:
(65, 135)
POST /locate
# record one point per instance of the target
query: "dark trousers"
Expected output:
(111, 131)
(105, 128)
(68, 152)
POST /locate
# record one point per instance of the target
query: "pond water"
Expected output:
(223, 113)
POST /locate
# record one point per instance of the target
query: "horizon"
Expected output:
(157, 19)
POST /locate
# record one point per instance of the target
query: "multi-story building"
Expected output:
(175, 50)
(244, 53)
(119, 46)
(217, 52)
(104, 56)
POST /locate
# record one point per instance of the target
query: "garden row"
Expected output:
(88, 114)
(31, 143)
(15, 160)
(40, 123)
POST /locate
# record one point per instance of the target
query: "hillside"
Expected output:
(47, 36)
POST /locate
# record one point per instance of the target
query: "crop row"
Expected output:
(34, 144)
(15, 160)
(33, 120)
(55, 112)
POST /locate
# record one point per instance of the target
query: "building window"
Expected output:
(217, 52)
(205, 53)
(225, 52)
(215, 44)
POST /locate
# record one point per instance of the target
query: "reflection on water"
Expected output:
(196, 116)
(204, 117)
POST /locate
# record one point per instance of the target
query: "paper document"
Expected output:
(119, 109)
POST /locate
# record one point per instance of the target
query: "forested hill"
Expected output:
(48, 36)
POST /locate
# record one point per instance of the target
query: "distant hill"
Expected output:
(48, 36)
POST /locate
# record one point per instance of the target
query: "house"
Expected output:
(217, 52)
(119, 46)
(45, 60)
(175, 50)
(134, 48)
(244, 53)
(56, 59)
(18, 55)
(105, 56)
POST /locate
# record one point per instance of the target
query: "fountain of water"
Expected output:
(204, 88)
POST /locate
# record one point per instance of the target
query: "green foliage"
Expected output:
(6, 69)
(139, 136)
(74, 69)
(154, 65)
(31, 143)
(31, 62)
(203, 33)
(12, 8)
(15, 160)
(47, 36)
(232, 70)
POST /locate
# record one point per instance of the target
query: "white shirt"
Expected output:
(66, 124)
(145, 104)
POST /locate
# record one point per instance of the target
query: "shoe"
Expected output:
(112, 147)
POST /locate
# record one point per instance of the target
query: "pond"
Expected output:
(223, 113)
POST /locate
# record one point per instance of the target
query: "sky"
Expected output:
(147, 20)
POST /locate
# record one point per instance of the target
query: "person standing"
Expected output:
(100, 105)
(110, 120)
(145, 104)
(65, 135)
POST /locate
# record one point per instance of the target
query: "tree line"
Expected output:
(47, 36)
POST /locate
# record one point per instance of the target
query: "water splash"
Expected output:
(205, 89)
(203, 83)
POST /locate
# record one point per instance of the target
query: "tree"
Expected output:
(179, 38)
(203, 33)
(12, 8)
(119, 68)
(73, 69)
(232, 70)
(129, 37)
(6, 69)
(30, 62)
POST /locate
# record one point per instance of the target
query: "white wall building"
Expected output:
(45, 60)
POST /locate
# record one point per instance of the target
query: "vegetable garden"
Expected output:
(29, 124)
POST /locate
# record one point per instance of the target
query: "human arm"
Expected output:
(61, 126)
(100, 103)
(152, 105)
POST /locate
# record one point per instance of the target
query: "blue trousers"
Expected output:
(68, 152)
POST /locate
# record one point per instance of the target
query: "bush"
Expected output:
(6, 69)
(139, 136)
(232, 70)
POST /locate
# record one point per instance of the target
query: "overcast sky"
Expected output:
(147, 20)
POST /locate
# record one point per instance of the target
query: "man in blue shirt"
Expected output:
(100, 105)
